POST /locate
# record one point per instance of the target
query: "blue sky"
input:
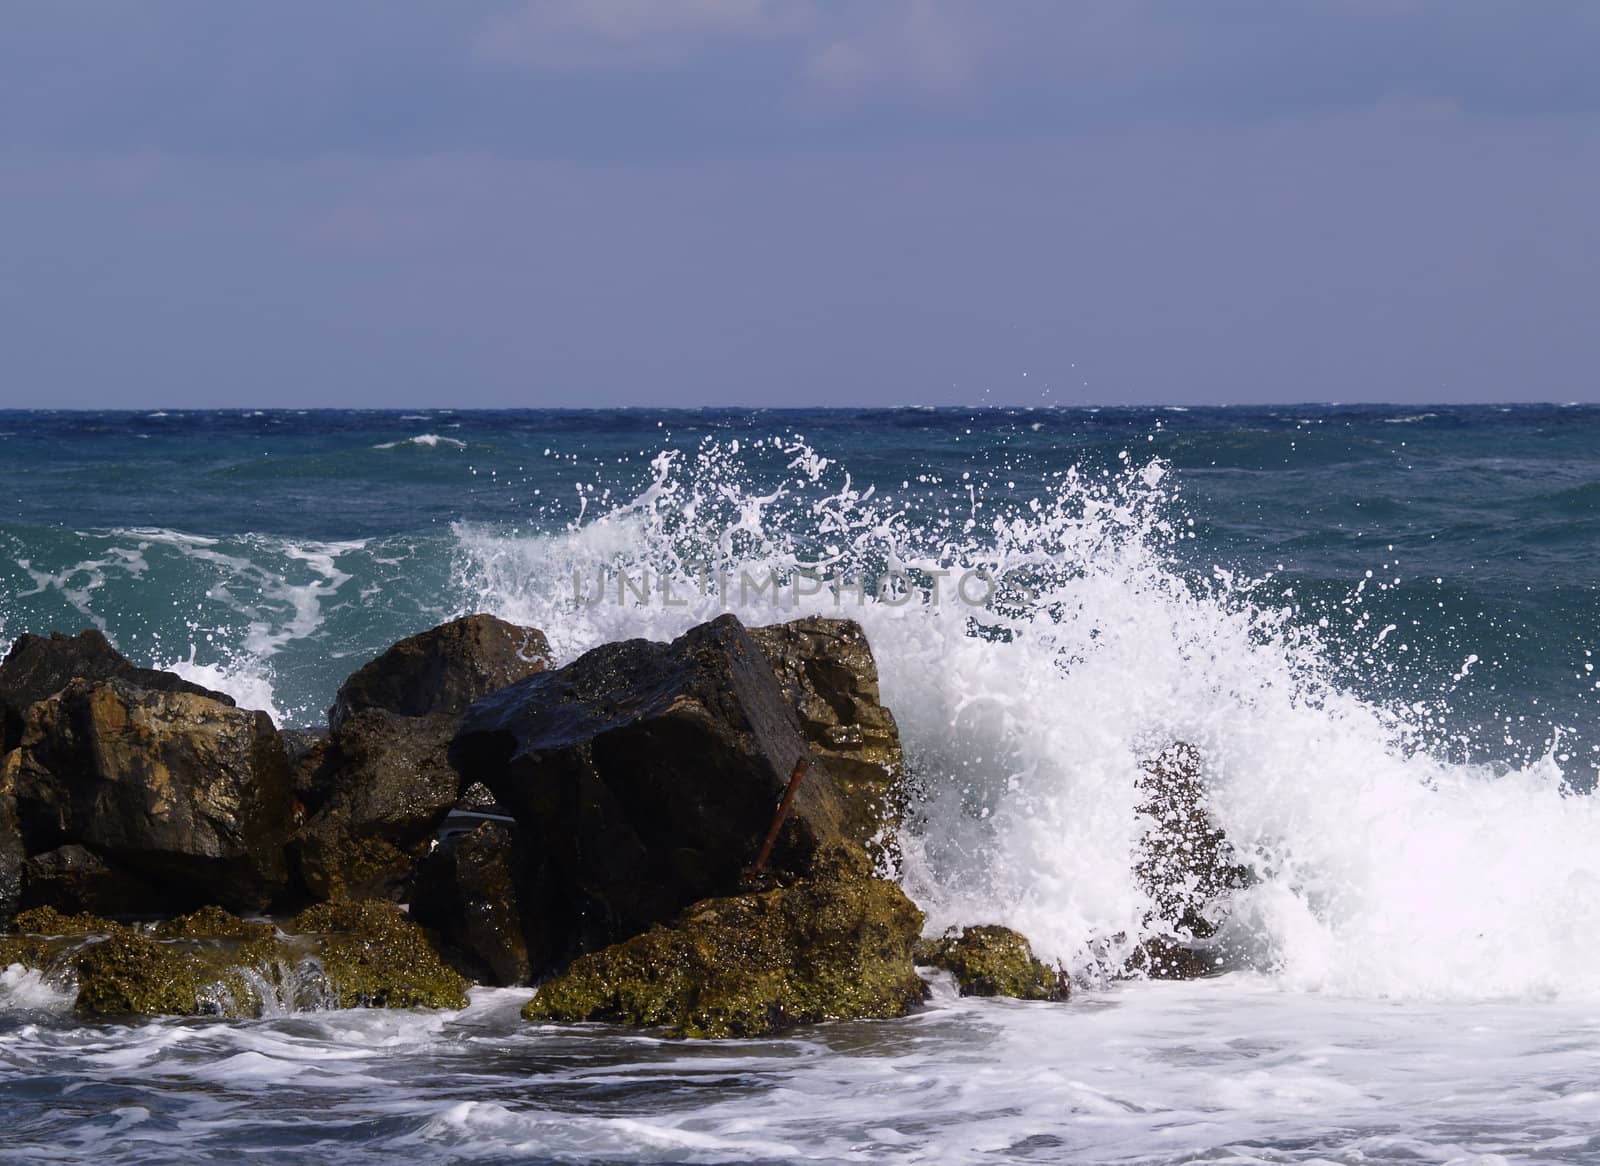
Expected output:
(387, 203)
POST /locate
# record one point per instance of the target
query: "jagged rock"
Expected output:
(391, 786)
(378, 788)
(994, 961)
(40, 666)
(12, 857)
(644, 776)
(73, 878)
(185, 793)
(375, 957)
(836, 945)
(827, 671)
(443, 670)
(311, 777)
(1185, 864)
(469, 891)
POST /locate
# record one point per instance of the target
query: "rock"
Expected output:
(469, 891)
(377, 789)
(443, 670)
(836, 945)
(185, 793)
(827, 671)
(211, 963)
(310, 775)
(1185, 864)
(73, 878)
(644, 777)
(40, 666)
(12, 857)
(390, 785)
(48, 921)
(476, 798)
(130, 973)
(212, 923)
(375, 957)
(994, 961)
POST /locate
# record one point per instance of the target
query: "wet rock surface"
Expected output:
(989, 960)
(12, 857)
(835, 945)
(443, 670)
(644, 778)
(73, 878)
(188, 795)
(375, 791)
(38, 667)
(470, 892)
(828, 673)
(389, 784)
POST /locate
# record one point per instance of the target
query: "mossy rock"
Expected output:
(994, 961)
(376, 957)
(212, 923)
(132, 973)
(836, 946)
(49, 921)
(31, 951)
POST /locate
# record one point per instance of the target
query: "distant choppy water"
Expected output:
(1376, 624)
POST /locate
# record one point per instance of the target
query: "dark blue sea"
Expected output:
(1376, 624)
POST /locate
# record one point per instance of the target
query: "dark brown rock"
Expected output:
(443, 670)
(470, 892)
(645, 776)
(310, 775)
(827, 671)
(76, 880)
(374, 793)
(389, 784)
(12, 855)
(40, 666)
(186, 793)
(1185, 864)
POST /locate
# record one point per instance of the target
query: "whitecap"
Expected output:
(426, 440)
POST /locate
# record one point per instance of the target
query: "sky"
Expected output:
(498, 203)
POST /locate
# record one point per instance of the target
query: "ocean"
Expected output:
(1377, 626)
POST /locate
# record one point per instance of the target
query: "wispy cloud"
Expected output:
(577, 36)
(843, 50)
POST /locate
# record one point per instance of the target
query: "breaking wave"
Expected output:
(1384, 868)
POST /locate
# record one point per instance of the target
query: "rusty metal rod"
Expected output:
(782, 813)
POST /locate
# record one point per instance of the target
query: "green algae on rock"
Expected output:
(211, 963)
(129, 972)
(213, 923)
(374, 956)
(834, 946)
(49, 921)
(994, 961)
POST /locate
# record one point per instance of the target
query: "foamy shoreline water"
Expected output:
(1232, 1070)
